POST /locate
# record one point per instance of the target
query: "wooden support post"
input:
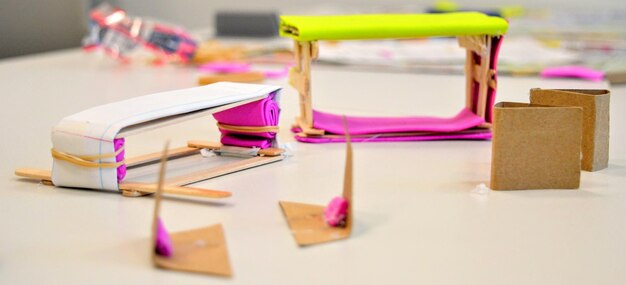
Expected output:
(480, 73)
(300, 79)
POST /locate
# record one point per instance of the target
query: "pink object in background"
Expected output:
(277, 74)
(260, 113)
(163, 243)
(336, 212)
(225, 67)
(573, 72)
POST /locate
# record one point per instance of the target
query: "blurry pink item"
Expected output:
(225, 67)
(260, 113)
(573, 72)
(336, 212)
(163, 243)
(277, 74)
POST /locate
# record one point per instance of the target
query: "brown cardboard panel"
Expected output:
(535, 147)
(307, 222)
(201, 250)
(595, 105)
(308, 226)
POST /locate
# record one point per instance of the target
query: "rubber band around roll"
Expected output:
(250, 125)
(90, 160)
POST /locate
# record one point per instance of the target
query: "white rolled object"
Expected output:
(83, 148)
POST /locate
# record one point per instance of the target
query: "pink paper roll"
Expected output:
(265, 112)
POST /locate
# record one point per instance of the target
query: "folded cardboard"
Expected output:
(595, 120)
(535, 147)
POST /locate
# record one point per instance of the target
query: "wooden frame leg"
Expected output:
(477, 73)
(300, 79)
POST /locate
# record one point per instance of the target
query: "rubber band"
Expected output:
(248, 129)
(82, 161)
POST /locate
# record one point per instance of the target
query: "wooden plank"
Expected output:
(481, 108)
(150, 188)
(34, 173)
(222, 170)
(130, 189)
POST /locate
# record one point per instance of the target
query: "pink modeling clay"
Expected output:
(121, 170)
(163, 244)
(225, 67)
(336, 212)
(573, 71)
(255, 114)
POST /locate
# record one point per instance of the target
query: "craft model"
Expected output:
(479, 34)
(88, 147)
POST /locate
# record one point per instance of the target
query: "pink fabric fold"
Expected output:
(332, 123)
(377, 138)
(265, 112)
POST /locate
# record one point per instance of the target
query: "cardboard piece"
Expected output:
(535, 147)
(307, 222)
(201, 250)
(595, 124)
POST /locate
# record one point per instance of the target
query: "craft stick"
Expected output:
(347, 176)
(156, 156)
(306, 72)
(469, 79)
(247, 77)
(204, 144)
(132, 189)
(149, 188)
(34, 173)
(157, 197)
(222, 170)
(216, 145)
(481, 108)
(308, 130)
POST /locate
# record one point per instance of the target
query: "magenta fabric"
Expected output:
(573, 71)
(265, 112)
(332, 123)
(377, 138)
(163, 244)
(121, 170)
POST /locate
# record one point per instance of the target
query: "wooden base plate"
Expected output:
(308, 225)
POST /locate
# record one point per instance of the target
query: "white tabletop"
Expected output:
(417, 220)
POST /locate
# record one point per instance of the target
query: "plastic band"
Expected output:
(85, 160)
(248, 129)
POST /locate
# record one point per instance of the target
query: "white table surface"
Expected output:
(417, 221)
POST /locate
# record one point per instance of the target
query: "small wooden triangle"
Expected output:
(201, 250)
(307, 221)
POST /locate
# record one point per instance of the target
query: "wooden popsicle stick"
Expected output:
(130, 189)
(481, 107)
(150, 188)
(347, 176)
(249, 77)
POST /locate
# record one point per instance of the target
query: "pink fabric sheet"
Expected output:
(380, 129)
(265, 112)
(121, 170)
